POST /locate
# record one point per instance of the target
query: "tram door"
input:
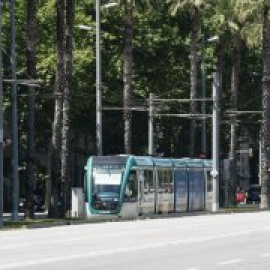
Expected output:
(196, 189)
(181, 189)
(130, 201)
(146, 192)
(165, 191)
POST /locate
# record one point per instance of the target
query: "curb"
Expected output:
(103, 219)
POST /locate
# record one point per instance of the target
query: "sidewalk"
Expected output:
(42, 221)
(39, 215)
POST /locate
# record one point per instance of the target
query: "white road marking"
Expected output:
(234, 261)
(14, 246)
(265, 255)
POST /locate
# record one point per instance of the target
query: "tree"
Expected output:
(127, 76)
(57, 193)
(60, 142)
(128, 69)
(193, 7)
(31, 39)
(232, 18)
(265, 158)
(66, 104)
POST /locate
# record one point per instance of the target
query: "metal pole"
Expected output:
(1, 125)
(260, 161)
(151, 125)
(215, 149)
(14, 116)
(203, 134)
(98, 82)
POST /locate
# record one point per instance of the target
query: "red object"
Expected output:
(240, 197)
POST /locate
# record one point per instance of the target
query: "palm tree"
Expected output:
(60, 140)
(129, 6)
(58, 116)
(194, 7)
(31, 38)
(127, 75)
(265, 159)
(233, 17)
(70, 7)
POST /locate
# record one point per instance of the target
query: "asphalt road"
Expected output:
(229, 241)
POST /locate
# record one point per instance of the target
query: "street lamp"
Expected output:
(85, 27)
(98, 74)
(215, 143)
(112, 4)
(203, 75)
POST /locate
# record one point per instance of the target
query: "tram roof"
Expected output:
(104, 160)
(168, 162)
(143, 161)
(149, 161)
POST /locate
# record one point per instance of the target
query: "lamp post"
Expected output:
(215, 143)
(98, 83)
(15, 174)
(203, 134)
(203, 78)
(151, 125)
(98, 74)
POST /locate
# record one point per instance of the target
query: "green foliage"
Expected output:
(160, 62)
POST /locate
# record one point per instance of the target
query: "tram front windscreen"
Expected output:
(106, 184)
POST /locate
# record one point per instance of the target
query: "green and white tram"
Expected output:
(137, 185)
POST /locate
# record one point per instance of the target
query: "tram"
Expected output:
(127, 185)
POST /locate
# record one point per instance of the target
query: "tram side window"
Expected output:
(148, 181)
(169, 185)
(209, 182)
(160, 175)
(165, 180)
(131, 192)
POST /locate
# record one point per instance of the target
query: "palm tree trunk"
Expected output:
(57, 193)
(193, 75)
(265, 158)
(31, 72)
(235, 77)
(65, 173)
(127, 78)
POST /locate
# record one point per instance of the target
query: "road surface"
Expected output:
(229, 241)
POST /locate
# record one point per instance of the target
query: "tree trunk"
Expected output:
(56, 194)
(265, 158)
(235, 78)
(65, 173)
(31, 38)
(193, 75)
(127, 78)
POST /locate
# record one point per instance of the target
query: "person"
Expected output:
(240, 196)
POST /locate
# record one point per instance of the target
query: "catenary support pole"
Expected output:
(14, 116)
(215, 146)
(203, 134)
(98, 82)
(1, 124)
(151, 125)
